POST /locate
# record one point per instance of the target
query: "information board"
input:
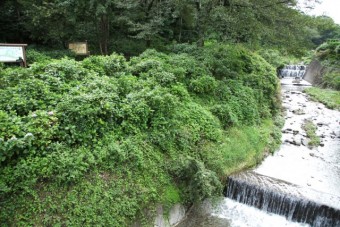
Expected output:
(80, 48)
(11, 53)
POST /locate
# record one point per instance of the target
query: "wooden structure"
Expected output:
(15, 53)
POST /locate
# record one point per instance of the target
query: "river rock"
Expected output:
(160, 221)
(287, 130)
(176, 214)
(290, 141)
(299, 111)
(297, 142)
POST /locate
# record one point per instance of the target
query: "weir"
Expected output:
(296, 203)
(293, 71)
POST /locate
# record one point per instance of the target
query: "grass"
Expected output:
(243, 147)
(330, 98)
(310, 129)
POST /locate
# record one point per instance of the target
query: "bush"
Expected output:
(276, 58)
(225, 114)
(28, 96)
(99, 141)
(26, 136)
(106, 65)
(203, 85)
(88, 111)
(331, 80)
(42, 55)
(200, 183)
(36, 56)
(329, 50)
(10, 77)
(66, 70)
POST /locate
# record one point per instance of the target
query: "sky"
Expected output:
(329, 8)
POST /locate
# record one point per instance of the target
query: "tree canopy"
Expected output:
(119, 25)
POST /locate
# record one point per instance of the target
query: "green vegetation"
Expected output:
(190, 99)
(310, 129)
(330, 98)
(132, 26)
(99, 141)
(328, 53)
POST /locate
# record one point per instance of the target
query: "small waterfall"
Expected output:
(279, 197)
(293, 71)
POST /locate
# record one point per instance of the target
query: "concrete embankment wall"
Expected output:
(314, 72)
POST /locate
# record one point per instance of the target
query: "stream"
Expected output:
(296, 186)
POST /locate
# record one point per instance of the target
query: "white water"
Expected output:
(245, 216)
(293, 71)
(229, 213)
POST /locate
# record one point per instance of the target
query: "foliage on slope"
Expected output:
(329, 55)
(96, 142)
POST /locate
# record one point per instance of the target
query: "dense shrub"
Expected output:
(332, 80)
(329, 50)
(33, 55)
(276, 58)
(67, 70)
(200, 182)
(329, 55)
(225, 114)
(203, 85)
(106, 65)
(38, 54)
(104, 138)
(34, 94)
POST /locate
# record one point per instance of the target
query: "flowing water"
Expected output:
(293, 71)
(296, 186)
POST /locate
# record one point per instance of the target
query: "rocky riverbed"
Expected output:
(296, 161)
(314, 169)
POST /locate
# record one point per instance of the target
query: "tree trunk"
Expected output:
(199, 29)
(104, 34)
(180, 30)
(148, 43)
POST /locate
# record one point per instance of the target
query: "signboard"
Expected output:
(80, 48)
(13, 53)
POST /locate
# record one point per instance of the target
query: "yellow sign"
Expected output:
(80, 48)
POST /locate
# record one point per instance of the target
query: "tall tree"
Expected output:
(103, 14)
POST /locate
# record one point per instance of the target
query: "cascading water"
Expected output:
(279, 197)
(293, 71)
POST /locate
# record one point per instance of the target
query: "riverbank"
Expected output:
(329, 97)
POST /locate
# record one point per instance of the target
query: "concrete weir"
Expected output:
(296, 203)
